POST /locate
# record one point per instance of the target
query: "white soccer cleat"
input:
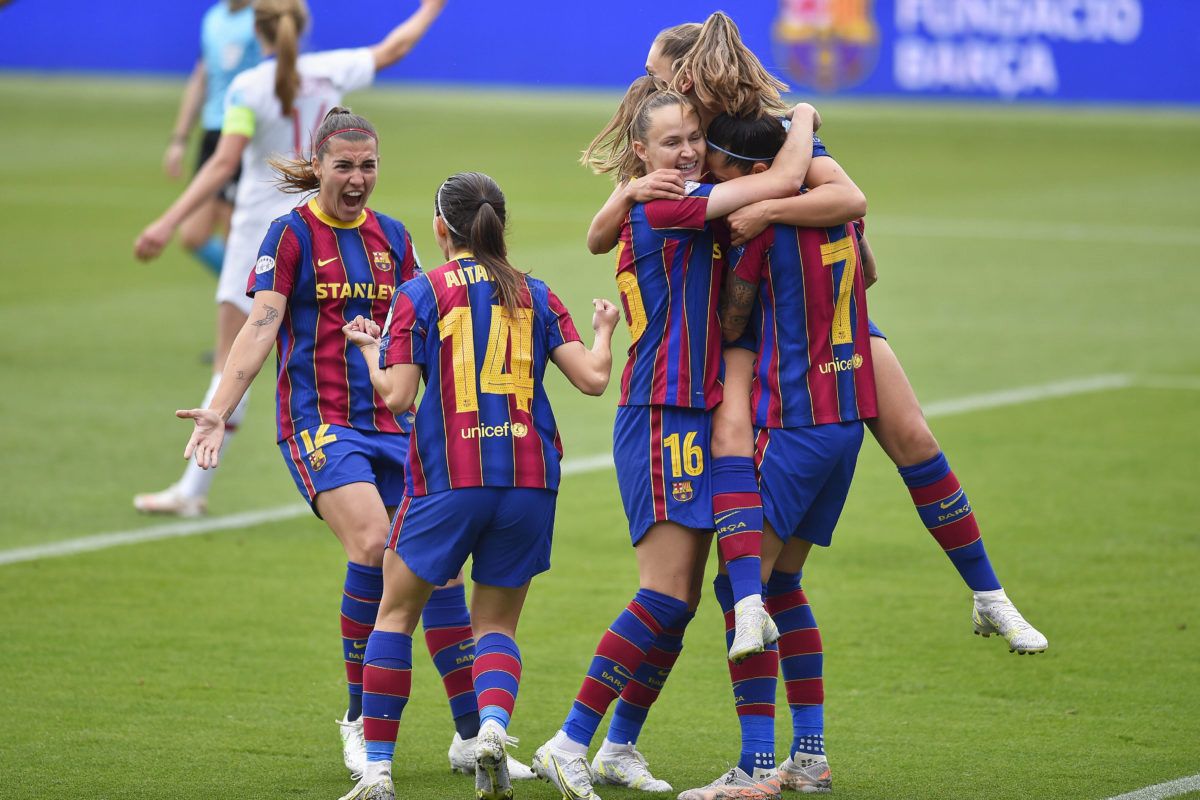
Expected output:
(171, 501)
(753, 630)
(993, 612)
(737, 785)
(806, 774)
(379, 789)
(354, 746)
(625, 766)
(568, 772)
(462, 759)
(491, 764)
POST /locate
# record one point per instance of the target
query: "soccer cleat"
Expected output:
(993, 612)
(491, 764)
(171, 501)
(806, 774)
(379, 789)
(737, 785)
(626, 767)
(354, 746)
(753, 630)
(462, 759)
(568, 772)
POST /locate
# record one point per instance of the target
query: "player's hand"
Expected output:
(362, 332)
(802, 111)
(153, 240)
(662, 184)
(207, 436)
(173, 159)
(747, 222)
(604, 316)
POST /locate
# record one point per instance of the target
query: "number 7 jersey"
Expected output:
(485, 419)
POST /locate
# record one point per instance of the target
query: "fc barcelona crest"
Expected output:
(826, 44)
(383, 260)
(682, 491)
(317, 460)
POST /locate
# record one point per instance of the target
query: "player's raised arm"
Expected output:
(661, 184)
(397, 44)
(588, 370)
(397, 384)
(832, 199)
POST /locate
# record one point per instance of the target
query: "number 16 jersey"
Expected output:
(485, 419)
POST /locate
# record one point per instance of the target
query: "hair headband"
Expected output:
(442, 214)
(329, 136)
(736, 155)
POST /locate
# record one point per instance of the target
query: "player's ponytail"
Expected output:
(296, 175)
(280, 23)
(472, 207)
(725, 74)
(612, 149)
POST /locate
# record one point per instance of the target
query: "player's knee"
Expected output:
(193, 239)
(366, 546)
(909, 443)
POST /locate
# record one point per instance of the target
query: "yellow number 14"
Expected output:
(510, 343)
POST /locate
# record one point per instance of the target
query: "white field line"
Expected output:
(583, 464)
(1160, 791)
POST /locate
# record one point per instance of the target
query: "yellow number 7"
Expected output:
(831, 254)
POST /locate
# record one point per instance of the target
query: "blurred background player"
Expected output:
(270, 110)
(669, 272)
(227, 47)
(484, 469)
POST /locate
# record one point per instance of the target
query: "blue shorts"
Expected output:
(662, 458)
(505, 530)
(873, 329)
(329, 456)
(804, 477)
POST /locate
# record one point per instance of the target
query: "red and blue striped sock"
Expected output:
(387, 682)
(754, 681)
(944, 509)
(738, 517)
(621, 651)
(360, 603)
(497, 676)
(801, 660)
(447, 625)
(629, 714)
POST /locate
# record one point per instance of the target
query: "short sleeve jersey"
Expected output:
(485, 419)
(331, 272)
(814, 352)
(669, 273)
(227, 47)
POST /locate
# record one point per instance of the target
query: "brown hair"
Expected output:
(280, 23)
(612, 149)
(472, 206)
(725, 74)
(677, 41)
(296, 175)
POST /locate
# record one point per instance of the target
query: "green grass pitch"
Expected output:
(1017, 247)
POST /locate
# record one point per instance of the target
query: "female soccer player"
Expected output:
(484, 467)
(327, 262)
(270, 109)
(669, 273)
(227, 47)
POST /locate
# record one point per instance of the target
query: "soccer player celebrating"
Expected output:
(669, 275)
(329, 261)
(270, 109)
(484, 465)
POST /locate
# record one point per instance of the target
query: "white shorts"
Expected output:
(241, 251)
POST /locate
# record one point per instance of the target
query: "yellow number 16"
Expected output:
(688, 459)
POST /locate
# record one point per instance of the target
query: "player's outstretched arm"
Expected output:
(189, 110)
(588, 370)
(397, 384)
(397, 44)
(254, 341)
(832, 199)
(662, 184)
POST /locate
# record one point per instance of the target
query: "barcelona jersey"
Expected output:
(331, 272)
(814, 353)
(669, 273)
(485, 419)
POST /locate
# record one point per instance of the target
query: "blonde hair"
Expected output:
(612, 149)
(296, 175)
(725, 74)
(280, 23)
(675, 42)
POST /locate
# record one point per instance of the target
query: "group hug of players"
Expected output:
(742, 270)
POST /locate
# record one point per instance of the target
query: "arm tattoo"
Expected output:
(268, 317)
(736, 303)
(241, 375)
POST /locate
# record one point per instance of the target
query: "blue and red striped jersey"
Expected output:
(330, 271)
(669, 273)
(485, 419)
(814, 352)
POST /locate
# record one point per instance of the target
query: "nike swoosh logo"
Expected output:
(467, 645)
(724, 517)
(952, 501)
(358, 646)
(325, 261)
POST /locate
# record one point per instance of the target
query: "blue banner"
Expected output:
(1145, 51)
